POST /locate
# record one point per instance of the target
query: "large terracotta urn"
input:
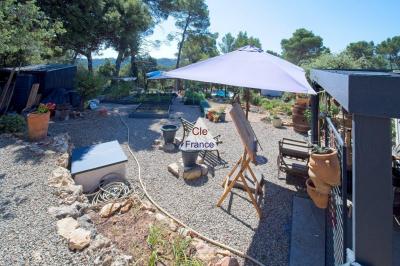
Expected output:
(38, 125)
(319, 198)
(325, 167)
(300, 123)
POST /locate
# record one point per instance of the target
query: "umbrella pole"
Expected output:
(247, 96)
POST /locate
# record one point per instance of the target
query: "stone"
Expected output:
(79, 239)
(204, 169)
(200, 160)
(169, 147)
(122, 260)
(63, 160)
(204, 251)
(60, 177)
(192, 173)
(74, 210)
(183, 231)
(86, 223)
(162, 218)
(66, 226)
(147, 206)
(126, 205)
(157, 142)
(173, 168)
(109, 209)
(99, 243)
(227, 261)
(173, 226)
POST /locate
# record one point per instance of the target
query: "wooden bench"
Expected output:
(188, 127)
(293, 157)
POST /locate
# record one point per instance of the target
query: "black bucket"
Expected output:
(169, 132)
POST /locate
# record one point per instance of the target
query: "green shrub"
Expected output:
(256, 98)
(192, 97)
(89, 84)
(120, 90)
(12, 123)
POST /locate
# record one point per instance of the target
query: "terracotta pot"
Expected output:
(210, 115)
(302, 101)
(320, 185)
(325, 167)
(38, 124)
(320, 199)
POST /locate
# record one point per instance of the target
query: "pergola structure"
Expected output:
(372, 98)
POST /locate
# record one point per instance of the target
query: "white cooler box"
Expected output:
(102, 162)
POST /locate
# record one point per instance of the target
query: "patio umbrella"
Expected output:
(247, 67)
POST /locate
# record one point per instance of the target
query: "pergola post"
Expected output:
(314, 116)
(372, 190)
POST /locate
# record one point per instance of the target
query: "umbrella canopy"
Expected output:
(247, 67)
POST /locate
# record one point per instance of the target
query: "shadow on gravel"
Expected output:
(270, 243)
(197, 182)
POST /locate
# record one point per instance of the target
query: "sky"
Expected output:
(338, 22)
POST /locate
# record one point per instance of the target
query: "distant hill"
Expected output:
(163, 63)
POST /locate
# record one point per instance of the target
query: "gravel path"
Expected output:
(28, 234)
(236, 223)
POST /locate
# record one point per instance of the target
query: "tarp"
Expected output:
(156, 75)
(247, 67)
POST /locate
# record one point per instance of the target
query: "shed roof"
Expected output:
(371, 93)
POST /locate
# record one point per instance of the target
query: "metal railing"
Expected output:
(336, 213)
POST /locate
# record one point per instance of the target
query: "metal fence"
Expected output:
(336, 213)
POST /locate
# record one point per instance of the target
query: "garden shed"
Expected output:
(56, 84)
(371, 99)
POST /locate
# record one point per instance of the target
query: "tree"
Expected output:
(227, 43)
(331, 61)
(192, 19)
(26, 34)
(84, 22)
(199, 47)
(303, 45)
(127, 20)
(361, 49)
(230, 43)
(390, 49)
(242, 40)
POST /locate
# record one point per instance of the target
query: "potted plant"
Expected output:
(38, 121)
(324, 165)
(319, 198)
(222, 114)
(210, 115)
(276, 120)
(169, 132)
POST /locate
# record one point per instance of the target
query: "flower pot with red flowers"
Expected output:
(38, 122)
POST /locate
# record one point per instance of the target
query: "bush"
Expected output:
(12, 123)
(256, 98)
(192, 97)
(120, 90)
(89, 84)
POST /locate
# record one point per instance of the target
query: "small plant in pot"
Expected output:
(38, 121)
(324, 165)
(276, 120)
(221, 114)
(211, 114)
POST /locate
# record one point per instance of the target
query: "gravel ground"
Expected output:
(28, 234)
(236, 223)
